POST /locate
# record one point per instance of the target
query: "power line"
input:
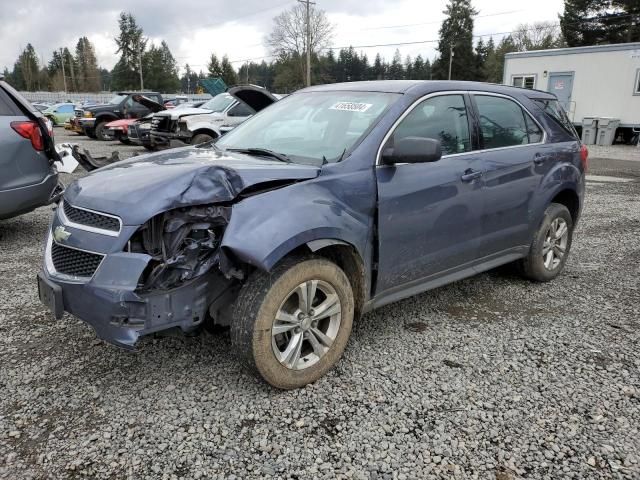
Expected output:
(439, 21)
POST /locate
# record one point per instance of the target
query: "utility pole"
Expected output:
(140, 66)
(308, 4)
(64, 77)
(450, 60)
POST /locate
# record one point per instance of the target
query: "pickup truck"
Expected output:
(212, 120)
(93, 120)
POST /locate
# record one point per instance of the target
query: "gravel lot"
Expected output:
(492, 377)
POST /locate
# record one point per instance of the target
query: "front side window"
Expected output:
(241, 110)
(503, 123)
(524, 81)
(312, 127)
(442, 118)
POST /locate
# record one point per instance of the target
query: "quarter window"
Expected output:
(442, 118)
(503, 123)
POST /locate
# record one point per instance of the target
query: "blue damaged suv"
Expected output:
(327, 204)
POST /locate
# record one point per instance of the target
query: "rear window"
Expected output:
(557, 113)
(8, 108)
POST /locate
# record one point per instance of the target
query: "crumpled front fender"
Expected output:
(265, 228)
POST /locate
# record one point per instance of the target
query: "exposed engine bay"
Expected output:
(183, 243)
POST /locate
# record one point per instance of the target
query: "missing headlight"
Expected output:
(183, 244)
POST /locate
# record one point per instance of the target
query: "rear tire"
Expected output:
(201, 138)
(314, 333)
(551, 245)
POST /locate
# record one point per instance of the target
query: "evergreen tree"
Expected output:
(88, 73)
(481, 54)
(131, 47)
(214, 68)
(591, 22)
(456, 35)
(227, 72)
(494, 65)
(408, 68)
(379, 70)
(396, 72)
(26, 70)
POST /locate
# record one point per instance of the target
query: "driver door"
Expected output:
(429, 214)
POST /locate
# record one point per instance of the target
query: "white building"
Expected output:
(596, 81)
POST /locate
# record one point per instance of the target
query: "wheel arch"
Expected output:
(570, 199)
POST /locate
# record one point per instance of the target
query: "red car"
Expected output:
(119, 129)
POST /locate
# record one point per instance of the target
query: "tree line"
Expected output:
(468, 57)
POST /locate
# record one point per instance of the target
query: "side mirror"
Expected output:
(413, 150)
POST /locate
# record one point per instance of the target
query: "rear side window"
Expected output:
(442, 118)
(557, 113)
(503, 123)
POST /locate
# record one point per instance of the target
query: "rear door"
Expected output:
(514, 159)
(429, 213)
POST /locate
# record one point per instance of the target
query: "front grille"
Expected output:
(76, 263)
(91, 219)
(163, 124)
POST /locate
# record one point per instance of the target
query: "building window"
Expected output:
(636, 88)
(524, 81)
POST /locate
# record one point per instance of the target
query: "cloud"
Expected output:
(196, 28)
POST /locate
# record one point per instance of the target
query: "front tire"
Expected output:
(201, 138)
(101, 133)
(551, 245)
(292, 325)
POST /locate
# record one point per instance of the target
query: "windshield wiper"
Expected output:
(262, 152)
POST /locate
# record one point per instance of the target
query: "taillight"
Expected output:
(30, 131)
(584, 157)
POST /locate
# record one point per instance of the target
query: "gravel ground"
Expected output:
(492, 377)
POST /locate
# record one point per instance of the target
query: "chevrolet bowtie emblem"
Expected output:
(60, 234)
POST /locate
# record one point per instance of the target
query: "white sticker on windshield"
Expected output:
(351, 106)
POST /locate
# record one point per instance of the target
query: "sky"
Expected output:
(196, 28)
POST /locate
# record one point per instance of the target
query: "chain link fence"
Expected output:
(103, 97)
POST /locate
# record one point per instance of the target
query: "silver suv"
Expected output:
(28, 178)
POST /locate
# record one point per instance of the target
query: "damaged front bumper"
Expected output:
(106, 294)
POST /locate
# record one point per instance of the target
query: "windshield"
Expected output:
(117, 99)
(218, 103)
(312, 127)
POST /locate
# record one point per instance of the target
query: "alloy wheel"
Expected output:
(306, 324)
(555, 243)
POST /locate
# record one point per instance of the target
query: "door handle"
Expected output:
(470, 175)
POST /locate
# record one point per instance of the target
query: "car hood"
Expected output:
(181, 112)
(142, 187)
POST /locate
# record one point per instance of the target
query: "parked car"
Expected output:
(139, 132)
(28, 178)
(211, 120)
(59, 113)
(329, 203)
(93, 120)
(40, 106)
(174, 102)
(119, 129)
